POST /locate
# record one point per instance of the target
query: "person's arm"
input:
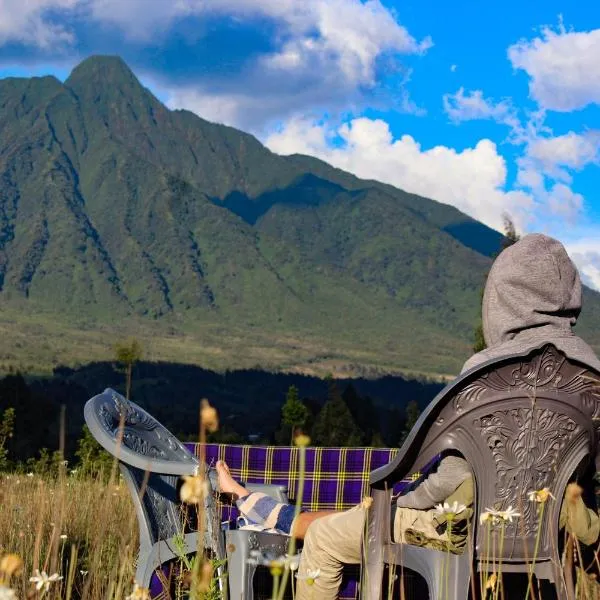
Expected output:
(451, 472)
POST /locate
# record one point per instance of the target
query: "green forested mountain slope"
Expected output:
(120, 216)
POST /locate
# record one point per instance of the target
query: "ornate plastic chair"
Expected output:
(523, 423)
(151, 460)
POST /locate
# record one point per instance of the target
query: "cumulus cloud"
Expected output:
(322, 55)
(571, 150)
(473, 180)
(586, 255)
(356, 32)
(32, 22)
(563, 67)
(473, 105)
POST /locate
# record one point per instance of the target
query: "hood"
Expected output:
(532, 284)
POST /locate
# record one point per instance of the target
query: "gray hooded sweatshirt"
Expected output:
(532, 297)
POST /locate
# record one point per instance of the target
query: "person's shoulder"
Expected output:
(475, 360)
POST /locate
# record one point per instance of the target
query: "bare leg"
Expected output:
(303, 520)
(227, 484)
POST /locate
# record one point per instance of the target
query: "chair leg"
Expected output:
(371, 583)
(448, 576)
(241, 574)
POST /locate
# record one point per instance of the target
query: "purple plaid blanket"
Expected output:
(335, 478)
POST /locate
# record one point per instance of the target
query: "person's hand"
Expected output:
(573, 492)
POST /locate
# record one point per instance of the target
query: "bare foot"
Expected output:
(227, 484)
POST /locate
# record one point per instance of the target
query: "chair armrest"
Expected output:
(278, 492)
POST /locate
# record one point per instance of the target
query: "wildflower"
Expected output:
(497, 516)
(7, 593)
(292, 562)
(43, 581)
(209, 416)
(485, 517)
(302, 440)
(194, 489)
(10, 564)
(84, 573)
(449, 510)
(490, 584)
(367, 502)
(138, 593)
(63, 536)
(540, 496)
(276, 566)
(573, 492)
(310, 576)
(508, 515)
(29, 474)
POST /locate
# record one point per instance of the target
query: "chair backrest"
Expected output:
(523, 424)
(151, 461)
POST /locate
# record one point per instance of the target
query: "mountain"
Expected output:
(120, 217)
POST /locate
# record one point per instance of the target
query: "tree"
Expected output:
(334, 425)
(294, 413)
(93, 459)
(7, 426)
(363, 412)
(412, 416)
(510, 237)
(510, 232)
(127, 354)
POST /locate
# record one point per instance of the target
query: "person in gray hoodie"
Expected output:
(532, 297)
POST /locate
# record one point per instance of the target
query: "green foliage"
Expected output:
(334, 425)
(7, 426)
(92, 458)
(127, 354)
(510, 232)
(412, 416)
(49, 463)
(479, 339)
(294, 413)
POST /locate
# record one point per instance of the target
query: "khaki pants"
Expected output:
(335, 540)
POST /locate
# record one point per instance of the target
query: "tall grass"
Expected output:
(80, 528)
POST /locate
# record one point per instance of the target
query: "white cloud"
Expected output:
(570, 150)
(29, 22)
(586, 255)
(348, 33)
(563, 67)
(473, 105)
(473, 180)
(326, 56)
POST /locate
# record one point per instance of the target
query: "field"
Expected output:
(80, 528)
(36, 342)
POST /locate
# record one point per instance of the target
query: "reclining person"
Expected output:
(532, 297)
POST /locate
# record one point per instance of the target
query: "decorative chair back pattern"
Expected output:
(523, 424)
(151, 460)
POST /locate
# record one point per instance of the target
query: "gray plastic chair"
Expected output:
(151, 460)
(523, 423)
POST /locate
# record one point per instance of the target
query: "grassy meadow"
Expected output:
(81, 528)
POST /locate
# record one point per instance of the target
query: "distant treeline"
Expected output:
(249, 404)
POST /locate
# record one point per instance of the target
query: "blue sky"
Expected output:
(491, 107)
